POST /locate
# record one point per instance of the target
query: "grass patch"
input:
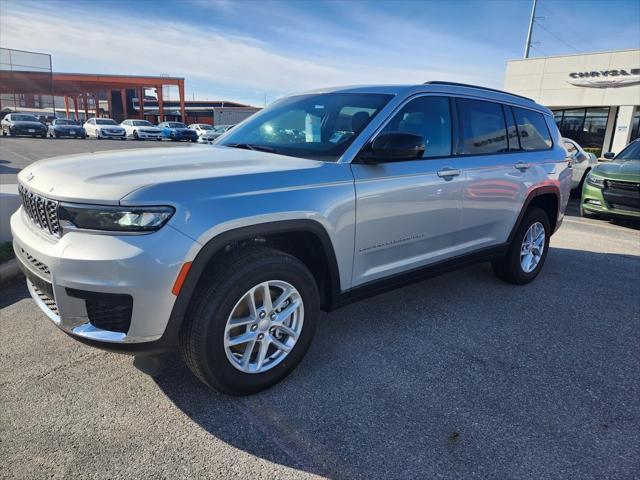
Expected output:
(6, 251)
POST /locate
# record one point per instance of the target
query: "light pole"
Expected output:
(533, 17)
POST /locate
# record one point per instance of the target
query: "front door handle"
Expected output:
(448, 173)
(522, 166)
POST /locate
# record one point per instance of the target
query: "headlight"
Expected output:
(595, 181)
(114, 219)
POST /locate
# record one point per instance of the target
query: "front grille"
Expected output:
(626, 186)
(47, 300)
(34, 261)
(42, 211)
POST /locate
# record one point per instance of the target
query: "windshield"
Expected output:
(205, 127)
(105, 121)
(176, 125)
(62, 121)
(141, 123)
(24, 118)
(318, 126)
(632, 152)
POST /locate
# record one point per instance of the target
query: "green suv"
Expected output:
(612, 189)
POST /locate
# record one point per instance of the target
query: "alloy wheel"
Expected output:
(532, 247)
(264, 326)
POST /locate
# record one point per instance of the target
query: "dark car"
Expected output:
(14, 124)
(177, 131)
(61, 127)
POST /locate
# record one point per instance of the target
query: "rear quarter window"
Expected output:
(532, 129)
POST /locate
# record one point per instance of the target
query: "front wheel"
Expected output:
(135, 135)
(528, 250)
(251, 322)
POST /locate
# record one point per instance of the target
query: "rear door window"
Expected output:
(482, 128)
(533, 130)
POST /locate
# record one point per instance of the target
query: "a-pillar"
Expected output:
(181, 94)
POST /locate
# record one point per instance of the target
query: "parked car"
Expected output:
(141, 130)
(177, 131)
(612, 189)
(25, 124)
(581, 162)
(228, 253)
(100, 128)
(62, 127)
(220, 129)
(206, 133)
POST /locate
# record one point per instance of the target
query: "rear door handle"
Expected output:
(448, 173)
(522, 165)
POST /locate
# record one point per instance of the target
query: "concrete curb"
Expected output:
(9, 272)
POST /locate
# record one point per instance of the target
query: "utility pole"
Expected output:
(533, 17)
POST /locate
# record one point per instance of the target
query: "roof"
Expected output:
(439, 87)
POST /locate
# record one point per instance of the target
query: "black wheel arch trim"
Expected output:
(217, 243)
(542, 190)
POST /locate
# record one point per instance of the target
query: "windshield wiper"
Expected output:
(250, 146)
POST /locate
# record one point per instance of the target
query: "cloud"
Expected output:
(240, 66)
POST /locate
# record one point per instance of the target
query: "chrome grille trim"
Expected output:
(42, 211)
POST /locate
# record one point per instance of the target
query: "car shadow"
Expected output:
(457, 376)
(13, 292)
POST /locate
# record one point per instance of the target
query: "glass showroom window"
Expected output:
(584, 125)
(635, 125)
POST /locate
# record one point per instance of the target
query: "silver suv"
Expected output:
(228, 252)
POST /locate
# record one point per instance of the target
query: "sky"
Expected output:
(249, 51)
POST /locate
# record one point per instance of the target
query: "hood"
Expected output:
(116, 126)
(107, 177)
(623, 170)
(22, 123)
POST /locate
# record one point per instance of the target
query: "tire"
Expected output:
(4, 132)
(44, 135)
(202, 338)
(135, 135)
(510, 268)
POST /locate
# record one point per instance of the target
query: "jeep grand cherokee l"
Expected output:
(228, 253)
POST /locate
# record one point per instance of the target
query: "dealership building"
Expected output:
(595, 98)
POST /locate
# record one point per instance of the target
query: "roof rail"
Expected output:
(455, 84)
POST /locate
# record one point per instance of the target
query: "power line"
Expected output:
(556, 37)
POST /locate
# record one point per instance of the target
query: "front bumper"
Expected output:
(105, 134)
(67, 133)
(593, 201)
(149, 135)
(26, 131)
(142, 267)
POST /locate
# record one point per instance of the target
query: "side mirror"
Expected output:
(391, 147)
(609, 155)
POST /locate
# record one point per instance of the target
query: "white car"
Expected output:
(141, 130)
(581, 162)
(99, 128)
(206, 133)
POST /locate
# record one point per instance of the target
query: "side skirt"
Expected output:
(386, 284)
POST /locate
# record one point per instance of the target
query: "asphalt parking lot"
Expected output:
(459, 376)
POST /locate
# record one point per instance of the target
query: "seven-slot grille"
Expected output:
(42, 211)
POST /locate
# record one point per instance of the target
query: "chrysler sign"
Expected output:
(622, 77)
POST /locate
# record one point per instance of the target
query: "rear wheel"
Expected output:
(251, 322)
(528, 250)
